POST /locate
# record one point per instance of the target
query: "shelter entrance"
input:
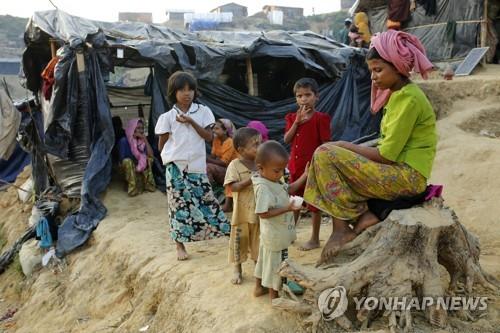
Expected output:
(273, 78)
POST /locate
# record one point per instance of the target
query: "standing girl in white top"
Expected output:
(193, 210)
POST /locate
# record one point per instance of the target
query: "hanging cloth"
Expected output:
(48, 78)
(43, 233)
(451, 29)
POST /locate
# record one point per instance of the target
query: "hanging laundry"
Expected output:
(451, 30)
(43, 233)
(48, 78)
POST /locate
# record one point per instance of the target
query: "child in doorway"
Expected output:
(273, 206)
(244, 237)
(306, 130)
(136, 159)
(193, 210)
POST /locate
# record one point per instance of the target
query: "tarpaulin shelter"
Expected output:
(12, 158)
(242, 76)
(448, 29)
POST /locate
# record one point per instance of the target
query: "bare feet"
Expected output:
(309, 245)
(341, 235)
(366, 220)
(237, 275)
(313, 243)
(273, 294)
(181, 252)
(259, 290)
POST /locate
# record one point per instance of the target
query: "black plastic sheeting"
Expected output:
(92, 102)
(67, 136)
(204, 53)
(347, 101)
(438, 44)
(156, 87)
(31, 140)
(11, 167)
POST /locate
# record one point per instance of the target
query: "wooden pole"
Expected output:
(484, 25)
(251, 90)
(53, 47)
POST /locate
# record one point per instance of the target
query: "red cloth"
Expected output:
(48, 78)
(405, 52)
(309, 136)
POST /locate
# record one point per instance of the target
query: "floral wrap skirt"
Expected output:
(340, 182)
(193, 210)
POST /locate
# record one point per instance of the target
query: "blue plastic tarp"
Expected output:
(9, 169)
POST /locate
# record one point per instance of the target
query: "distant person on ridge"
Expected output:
(343, 34)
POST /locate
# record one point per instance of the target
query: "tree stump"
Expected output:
(403, 256)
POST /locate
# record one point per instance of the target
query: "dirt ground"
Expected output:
(127, 276)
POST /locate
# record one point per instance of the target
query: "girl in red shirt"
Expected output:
(306, 130)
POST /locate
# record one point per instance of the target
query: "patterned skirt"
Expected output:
(137, 182)
(193, 210)
(340, 182)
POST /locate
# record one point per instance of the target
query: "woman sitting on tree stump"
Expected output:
(343, 175)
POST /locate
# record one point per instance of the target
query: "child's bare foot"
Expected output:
(237, 275)
(259, 290)
(313, 242)
(181, 252)
(237, 278)
(273, 294)
(309, 245)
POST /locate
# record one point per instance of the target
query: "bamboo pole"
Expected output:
(53, 47)
(484, 25)
(251, 90)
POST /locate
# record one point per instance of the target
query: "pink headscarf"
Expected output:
(137, 146)
(405, 52)
(261, 128)
(229, 126)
